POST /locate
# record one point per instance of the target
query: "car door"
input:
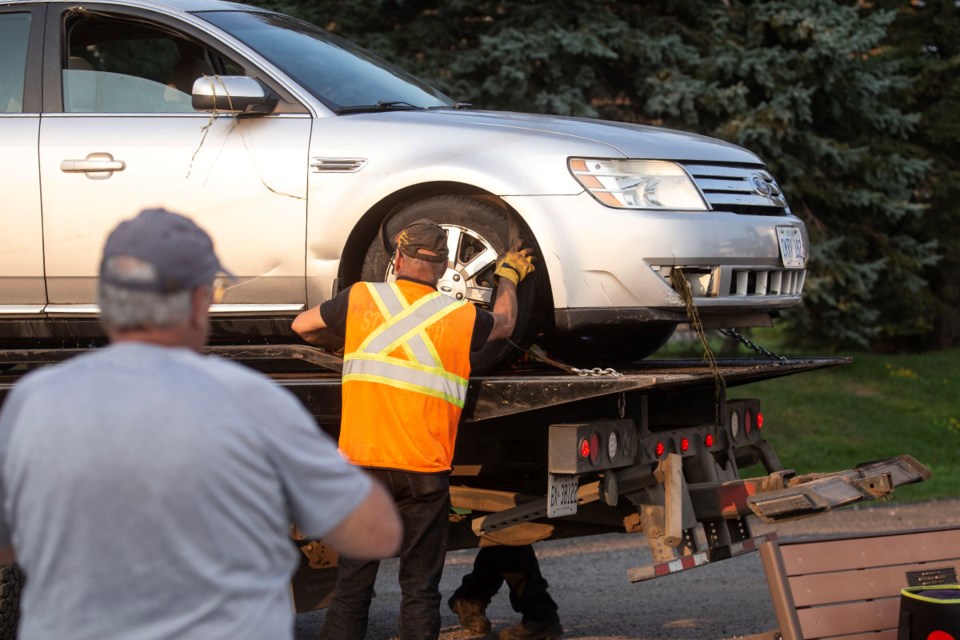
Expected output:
(21, 244)
(119, 135)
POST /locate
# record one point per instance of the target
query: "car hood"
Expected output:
(630, 140)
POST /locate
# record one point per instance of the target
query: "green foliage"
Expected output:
(926, 37)
(853, 106)
(819, 102)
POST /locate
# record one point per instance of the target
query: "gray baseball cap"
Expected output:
(179, 254)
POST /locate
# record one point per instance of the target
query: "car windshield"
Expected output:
(343, 76)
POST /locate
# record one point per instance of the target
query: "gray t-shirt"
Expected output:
(148, 493)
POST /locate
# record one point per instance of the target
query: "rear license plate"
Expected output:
(561, 495)
(792, 251)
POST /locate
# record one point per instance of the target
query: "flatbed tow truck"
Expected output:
(543, 453)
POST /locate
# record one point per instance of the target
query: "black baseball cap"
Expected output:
(180, 253)
(424, 240)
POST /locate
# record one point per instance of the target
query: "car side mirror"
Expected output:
(232, 94)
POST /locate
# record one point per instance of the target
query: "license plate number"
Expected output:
(792, 252)
(561, 495)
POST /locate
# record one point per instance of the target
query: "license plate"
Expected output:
(561, 495)
(792, 251)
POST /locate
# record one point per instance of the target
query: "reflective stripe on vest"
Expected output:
(405, 325)
(391, 303)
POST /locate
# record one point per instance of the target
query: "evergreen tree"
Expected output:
(820, 100)
(926, 36)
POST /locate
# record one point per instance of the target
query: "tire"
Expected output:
(11, 584)
(612, 348)
(480, 232)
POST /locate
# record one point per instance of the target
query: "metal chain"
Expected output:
(750, 344)
(535, 353)
(597, 371)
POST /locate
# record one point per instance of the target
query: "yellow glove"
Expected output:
(516, 264)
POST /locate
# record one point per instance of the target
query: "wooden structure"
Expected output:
(849, 587)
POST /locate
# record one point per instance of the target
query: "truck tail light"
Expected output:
(759, 420)
(684, 444)
(660, 449)
(743, 419)
(587, 447)
(594, 447)
(708, 440)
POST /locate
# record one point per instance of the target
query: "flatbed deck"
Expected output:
(314, 376)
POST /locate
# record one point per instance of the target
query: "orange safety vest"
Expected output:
(406, 365)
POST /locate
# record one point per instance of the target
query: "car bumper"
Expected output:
(609, 265)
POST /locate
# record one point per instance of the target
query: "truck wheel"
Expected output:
(615, 347)
(11, 582)
(478, 232)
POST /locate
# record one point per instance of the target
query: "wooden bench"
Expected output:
(849, 587)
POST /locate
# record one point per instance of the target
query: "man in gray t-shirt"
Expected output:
(147, 491)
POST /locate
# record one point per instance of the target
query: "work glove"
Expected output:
(516, 264)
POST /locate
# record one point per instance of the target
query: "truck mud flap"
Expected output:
(816, 493)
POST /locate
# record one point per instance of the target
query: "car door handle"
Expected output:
(93, 163)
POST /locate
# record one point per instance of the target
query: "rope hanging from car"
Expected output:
(681, 285)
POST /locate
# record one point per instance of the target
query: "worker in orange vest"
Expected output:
(406, 366)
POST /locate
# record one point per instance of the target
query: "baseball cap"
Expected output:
(423, 240)
(179, 253)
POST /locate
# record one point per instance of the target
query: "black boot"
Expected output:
(472, 614)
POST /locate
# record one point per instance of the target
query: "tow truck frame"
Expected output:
(542, 454)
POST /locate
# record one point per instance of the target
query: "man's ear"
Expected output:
(200, 301)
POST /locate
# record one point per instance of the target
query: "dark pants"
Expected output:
(423, 500)
(517, 566)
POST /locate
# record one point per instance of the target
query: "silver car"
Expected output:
(299, 152)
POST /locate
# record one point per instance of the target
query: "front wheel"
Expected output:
(477, 232)
(612, 347)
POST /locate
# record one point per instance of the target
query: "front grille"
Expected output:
(768, 282)
(739, 282)
(748, 190)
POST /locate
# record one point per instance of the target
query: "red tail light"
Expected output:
(684, 444)
(759, 420)
(708, 440)
(584, 448)
(594, 447)
(660, 449)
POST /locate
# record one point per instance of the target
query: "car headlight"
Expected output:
(638, 184)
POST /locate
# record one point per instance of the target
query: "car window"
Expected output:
(123, 66)
(336, 71)
(14, 34)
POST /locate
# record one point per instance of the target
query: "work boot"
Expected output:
(533, 630)
(472, 614)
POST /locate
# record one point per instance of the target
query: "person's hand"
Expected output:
(516, 264)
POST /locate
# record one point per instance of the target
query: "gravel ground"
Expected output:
(588, 580)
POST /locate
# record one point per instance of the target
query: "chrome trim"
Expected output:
(141, 114)
(744, 186)
(73, 309)
(17, 309)
(92, 309)
(338, 165)
(256, 308)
